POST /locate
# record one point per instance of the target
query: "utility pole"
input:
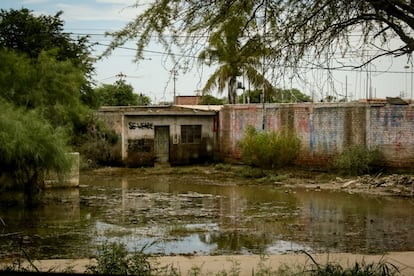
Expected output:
(264, 68)
(175, 74)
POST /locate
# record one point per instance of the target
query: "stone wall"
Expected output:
(326, 129)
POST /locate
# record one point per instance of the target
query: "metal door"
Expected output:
(162, 144)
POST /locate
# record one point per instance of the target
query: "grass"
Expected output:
(361, 269)
(271, 178)
(358, 160)
(223, 167)
(114, 259)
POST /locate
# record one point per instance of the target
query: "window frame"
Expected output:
(191, 134)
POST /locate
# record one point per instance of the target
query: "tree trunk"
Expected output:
(232, 93)
(31, 188)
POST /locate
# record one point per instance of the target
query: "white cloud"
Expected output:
(31, 2)
(97, 12)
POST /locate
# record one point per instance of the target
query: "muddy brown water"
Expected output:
(202, 214)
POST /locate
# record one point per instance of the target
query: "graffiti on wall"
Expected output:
(326, 130)
(140, 125)
(140, 145)
(391, 126)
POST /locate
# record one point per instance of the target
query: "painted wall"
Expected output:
(137, 127)
(140, 130)
(326, 129)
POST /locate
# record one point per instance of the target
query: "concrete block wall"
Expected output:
(69, 180)
(326, 129)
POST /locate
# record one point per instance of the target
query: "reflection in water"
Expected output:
(44, 230)
(191, 214)
(358, 223)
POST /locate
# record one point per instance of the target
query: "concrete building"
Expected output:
(196, 133)
(164, 134)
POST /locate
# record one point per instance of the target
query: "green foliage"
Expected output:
(26, 33)
(357, 160)
(236, 55)
(52, 88)
(30, 147)
(43, 68)
(211, 100)
(30, 35)
(275, 95)
(114, 259)
(119, 94)
(98, 145)
(252, 172)
(223, 167)
(269, 149)
(46, 84)
(46, 76)
(381, 268)
(273, 178)
(251, 96)
(289, 96)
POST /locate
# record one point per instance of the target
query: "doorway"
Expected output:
(162, 144)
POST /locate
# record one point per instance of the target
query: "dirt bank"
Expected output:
(211, 265)
(387, 184)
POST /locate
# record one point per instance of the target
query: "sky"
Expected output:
(387, 77)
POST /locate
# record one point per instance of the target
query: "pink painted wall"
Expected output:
(326, 128)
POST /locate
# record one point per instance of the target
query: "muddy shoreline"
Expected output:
(385, 184)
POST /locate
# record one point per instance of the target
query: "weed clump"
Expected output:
(114, 259)
(358, 160)
(380, 268)
(269, 149)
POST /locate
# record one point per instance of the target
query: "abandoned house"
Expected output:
(164, 134)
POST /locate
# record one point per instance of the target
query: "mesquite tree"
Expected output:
(299, 32)
(29, 148)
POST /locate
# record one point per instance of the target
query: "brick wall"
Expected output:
(326, 129)
(187, 100)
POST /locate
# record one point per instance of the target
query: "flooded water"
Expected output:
(196, 214)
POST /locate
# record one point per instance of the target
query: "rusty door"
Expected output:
(162, 144)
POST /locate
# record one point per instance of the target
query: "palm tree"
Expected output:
(234, 58)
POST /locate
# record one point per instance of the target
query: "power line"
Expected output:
(316, 67)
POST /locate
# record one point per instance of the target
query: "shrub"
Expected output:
(357, 160)
(97, 145)
(30, 148)
(113, 258)
(269, 149)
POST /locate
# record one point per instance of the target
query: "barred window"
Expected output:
(191, 134)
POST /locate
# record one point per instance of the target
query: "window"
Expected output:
(191, 134)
